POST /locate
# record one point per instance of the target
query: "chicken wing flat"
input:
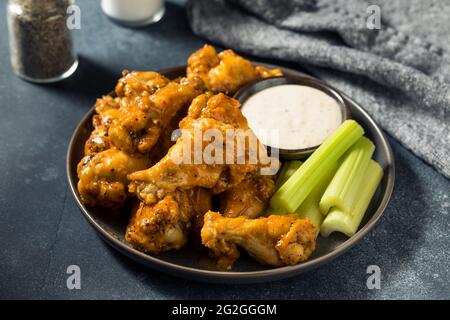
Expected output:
(249, 198)
(103, 177)
(165, 225)
(225, 72)
(274, 240)
(179, 169)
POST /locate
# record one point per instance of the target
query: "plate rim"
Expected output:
(215, 276)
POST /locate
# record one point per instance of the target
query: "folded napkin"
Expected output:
(400, 73)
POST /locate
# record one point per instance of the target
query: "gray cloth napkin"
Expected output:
(400, 73)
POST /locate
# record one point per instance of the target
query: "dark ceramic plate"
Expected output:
(190, 262)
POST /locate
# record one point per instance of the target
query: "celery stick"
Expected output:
(310, 206)
(345, 184)
(294, 191)
(348, 223)
(269, 211)
(309, 209)
(286, 171)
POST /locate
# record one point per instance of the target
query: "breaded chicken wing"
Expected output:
(225, 72)
(274, 240)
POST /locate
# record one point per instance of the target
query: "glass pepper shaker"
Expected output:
(41, 42)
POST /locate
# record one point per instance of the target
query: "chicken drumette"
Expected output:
(225, 72)
(274, 240)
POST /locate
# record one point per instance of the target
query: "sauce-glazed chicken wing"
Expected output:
(103, 177)
(179, 169)
(107, 110)
(225, 72)
(165, 225)
(146, 107)
(111, 110)
(249, 198)
(161, 227)
(174, 175)
(274, 240)
(150, 106)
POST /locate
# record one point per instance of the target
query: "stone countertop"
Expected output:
(42, 231)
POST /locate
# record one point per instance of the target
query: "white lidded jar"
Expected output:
(134, 13)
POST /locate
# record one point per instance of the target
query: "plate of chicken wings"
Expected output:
(199, 220)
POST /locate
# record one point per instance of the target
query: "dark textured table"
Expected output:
(42, 231)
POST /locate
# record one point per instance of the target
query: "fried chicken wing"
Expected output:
(165, 225)
(141, 116)
(201, 200)
(139, 83)
(130, 91)
(151, 104)
(161, 227)
(249, 198)
(98, 141)
(103, 177)
(225, 72)
(264, 72)
(107, 109)
(274, 240)
(179, 168)
(135, 149)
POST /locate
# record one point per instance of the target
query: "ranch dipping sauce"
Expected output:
(303, 116)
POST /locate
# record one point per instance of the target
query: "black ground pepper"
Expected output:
(41, 43)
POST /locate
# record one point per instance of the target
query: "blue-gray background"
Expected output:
(42, 231)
